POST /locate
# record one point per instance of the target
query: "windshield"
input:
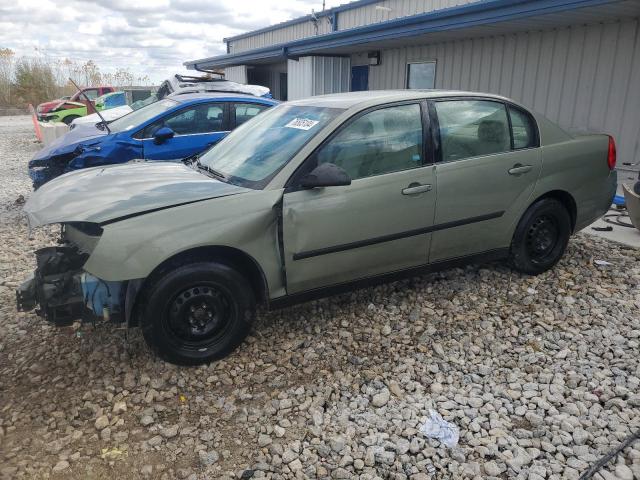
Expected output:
(137, 117)
(256, 150)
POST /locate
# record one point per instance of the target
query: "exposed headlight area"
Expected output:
(43, 170)
(61, 290)
(82, 235)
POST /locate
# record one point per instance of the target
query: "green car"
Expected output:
(66, 113)
(311, 198)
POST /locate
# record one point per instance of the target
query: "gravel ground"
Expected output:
(541, 375)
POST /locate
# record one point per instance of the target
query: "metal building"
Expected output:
(576, 61)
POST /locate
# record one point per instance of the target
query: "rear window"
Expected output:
(524, 130)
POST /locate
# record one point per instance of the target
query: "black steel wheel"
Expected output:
(541, 237)
(198, 313)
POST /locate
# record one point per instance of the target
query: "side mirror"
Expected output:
(162, 135)
(326, 175)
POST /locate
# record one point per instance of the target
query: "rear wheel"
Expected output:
(197, 313)
(541, 237)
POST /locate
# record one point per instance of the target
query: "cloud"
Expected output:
(148, 37)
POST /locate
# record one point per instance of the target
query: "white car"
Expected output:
(108, 115)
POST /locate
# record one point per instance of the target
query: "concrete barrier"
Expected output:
(52, 130)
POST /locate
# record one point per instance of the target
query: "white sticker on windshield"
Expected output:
(302, 123)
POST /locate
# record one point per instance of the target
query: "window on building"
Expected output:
(383, 141)
(524, 130)
(421, 75)
(472, 128)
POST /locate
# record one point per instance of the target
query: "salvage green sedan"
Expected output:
(313, 197)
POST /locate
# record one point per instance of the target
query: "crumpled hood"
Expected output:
(102, 194)
(66, 104)
(47, 106)
(69, 142)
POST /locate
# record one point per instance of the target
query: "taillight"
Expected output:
(611, 155)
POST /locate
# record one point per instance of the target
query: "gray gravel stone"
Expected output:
(101, 422)
(208, 458)
(380, 399)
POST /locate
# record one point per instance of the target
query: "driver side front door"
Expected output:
(378, 224)
(196, 128)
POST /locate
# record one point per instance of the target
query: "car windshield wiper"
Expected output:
(191, 159)
(210, 170)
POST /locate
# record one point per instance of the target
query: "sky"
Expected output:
(147, 37)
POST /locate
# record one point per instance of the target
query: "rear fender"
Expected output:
(579, 167)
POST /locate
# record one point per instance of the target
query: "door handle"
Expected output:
(519, 169)
(416, 188)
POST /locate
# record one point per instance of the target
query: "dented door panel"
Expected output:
(337, 234)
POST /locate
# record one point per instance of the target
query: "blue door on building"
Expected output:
(360, 78)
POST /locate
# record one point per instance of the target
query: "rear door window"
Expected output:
(246, 111)
(524, 129)
(472, 128)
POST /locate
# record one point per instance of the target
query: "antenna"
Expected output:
(323, 5)
(104, 122)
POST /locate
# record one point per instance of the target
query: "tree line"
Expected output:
(35, 79)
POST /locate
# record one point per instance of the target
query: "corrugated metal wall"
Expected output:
(299, 78)
(236, 74)
(331, 75)
(585, 78)
(281, 35)
(365, 15)
(310, 76)
(391, 9)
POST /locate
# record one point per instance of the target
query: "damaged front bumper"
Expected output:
(43, 170)
(62, 292)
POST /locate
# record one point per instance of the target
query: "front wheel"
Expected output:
(541, 237)
(197, 313)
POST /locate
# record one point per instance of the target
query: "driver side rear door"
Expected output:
(197, 127)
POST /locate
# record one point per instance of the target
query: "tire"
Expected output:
(69, 119)
(541, 237)
(197, 313)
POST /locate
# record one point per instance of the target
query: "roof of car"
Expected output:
(188, 97)
(351, 99)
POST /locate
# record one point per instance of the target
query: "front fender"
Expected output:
(134, 247)
(106, 153)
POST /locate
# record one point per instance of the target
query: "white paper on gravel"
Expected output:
(437, 427)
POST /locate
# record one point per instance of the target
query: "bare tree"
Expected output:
(34, 79)
(7, 57)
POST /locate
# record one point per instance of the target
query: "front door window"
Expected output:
(383, 141)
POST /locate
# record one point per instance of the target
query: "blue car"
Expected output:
(170, 129)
